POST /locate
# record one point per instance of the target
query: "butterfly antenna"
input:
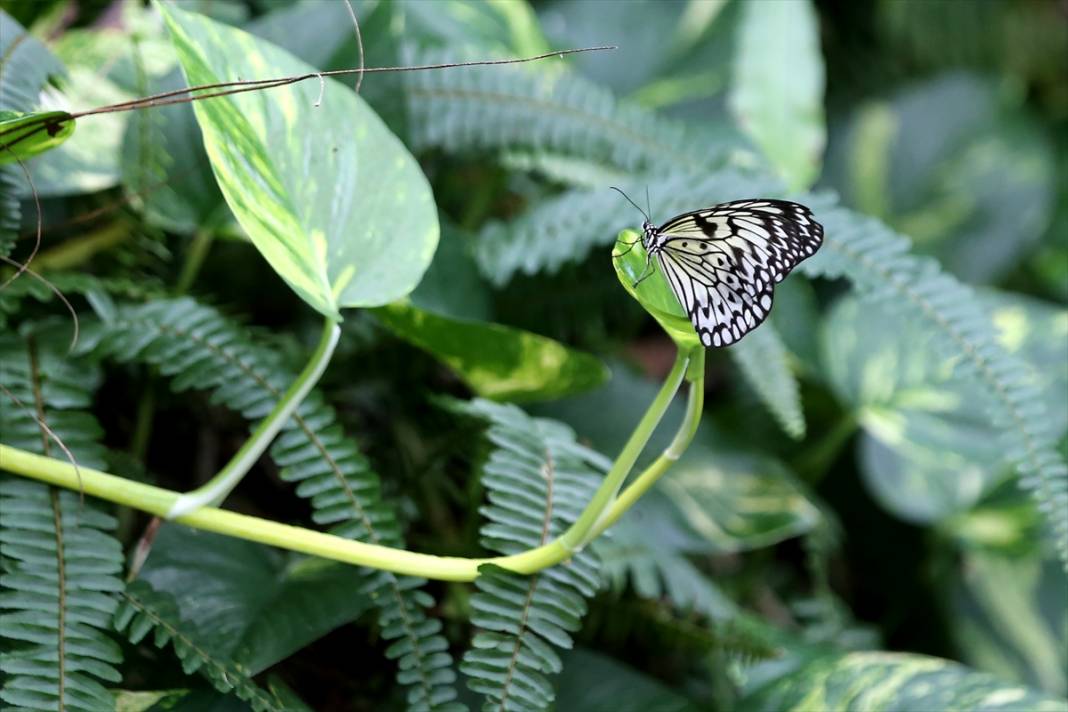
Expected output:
(631, 202)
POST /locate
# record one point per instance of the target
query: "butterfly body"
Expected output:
(723, 262)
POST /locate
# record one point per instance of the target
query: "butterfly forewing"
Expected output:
(723, 262)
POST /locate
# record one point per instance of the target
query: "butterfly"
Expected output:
(723, 262)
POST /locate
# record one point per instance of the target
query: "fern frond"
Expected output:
(10, 208)
(198, 348)
(58, 560)
(25, 66)
(877, 261)
(537, 480)
(565, 228)
(69, 283)
(656, 568)
(144, 610)
(764, 361)
(556, 114)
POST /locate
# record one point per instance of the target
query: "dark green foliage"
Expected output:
(58, 559)
(145, 611)
(851, 488)
(536, 478)
(198, 348)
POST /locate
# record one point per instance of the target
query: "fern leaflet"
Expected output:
(548, 115)
(58, 560)
(537, 479)
(764, 361)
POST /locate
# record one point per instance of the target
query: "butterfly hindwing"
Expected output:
(723, 262)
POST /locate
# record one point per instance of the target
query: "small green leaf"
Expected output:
(329, 196)
(26, 135)
(653, 292)
(777, 88)
(496, 361)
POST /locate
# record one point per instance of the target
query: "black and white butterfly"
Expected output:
(723, 262)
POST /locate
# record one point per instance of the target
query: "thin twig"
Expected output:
(359, 45)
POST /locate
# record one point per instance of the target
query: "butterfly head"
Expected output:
(651, 238)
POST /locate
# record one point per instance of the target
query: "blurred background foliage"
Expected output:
(848, 506)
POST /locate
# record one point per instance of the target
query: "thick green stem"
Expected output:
(577, 535)
(215, 490)
(683, 437)
(164, 503)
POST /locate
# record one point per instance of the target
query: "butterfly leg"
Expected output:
(630, 246)
(646, 272)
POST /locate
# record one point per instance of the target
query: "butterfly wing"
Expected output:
(723, 262)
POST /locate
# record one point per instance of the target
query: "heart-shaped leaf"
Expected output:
(327, 194)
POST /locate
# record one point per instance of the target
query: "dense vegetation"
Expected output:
(872, 512)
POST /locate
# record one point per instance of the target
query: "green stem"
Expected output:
(194, 259)
(683, 438)
(215, 490)
(164, 503)
(578, 533)
(813, 464)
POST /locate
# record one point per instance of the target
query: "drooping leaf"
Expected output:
(356, 226)
(494, 360)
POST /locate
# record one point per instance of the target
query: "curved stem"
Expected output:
(162, 502)
(642, 483)
(215, 490)
(577, 534)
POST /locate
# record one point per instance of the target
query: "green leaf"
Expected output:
(777, 88)
(329, 196)
(496, 361)
(1005, 596)
(738, 501)
(930, 449)
(653, 291)
(59, 563)
(940, 159)
(591, 681)
(878, 263)
(888, 682)
(247, 603)
(25, 135)
(146, 611)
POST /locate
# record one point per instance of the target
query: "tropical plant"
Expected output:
(391, 324)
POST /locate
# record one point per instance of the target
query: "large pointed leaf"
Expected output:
(328, 195)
